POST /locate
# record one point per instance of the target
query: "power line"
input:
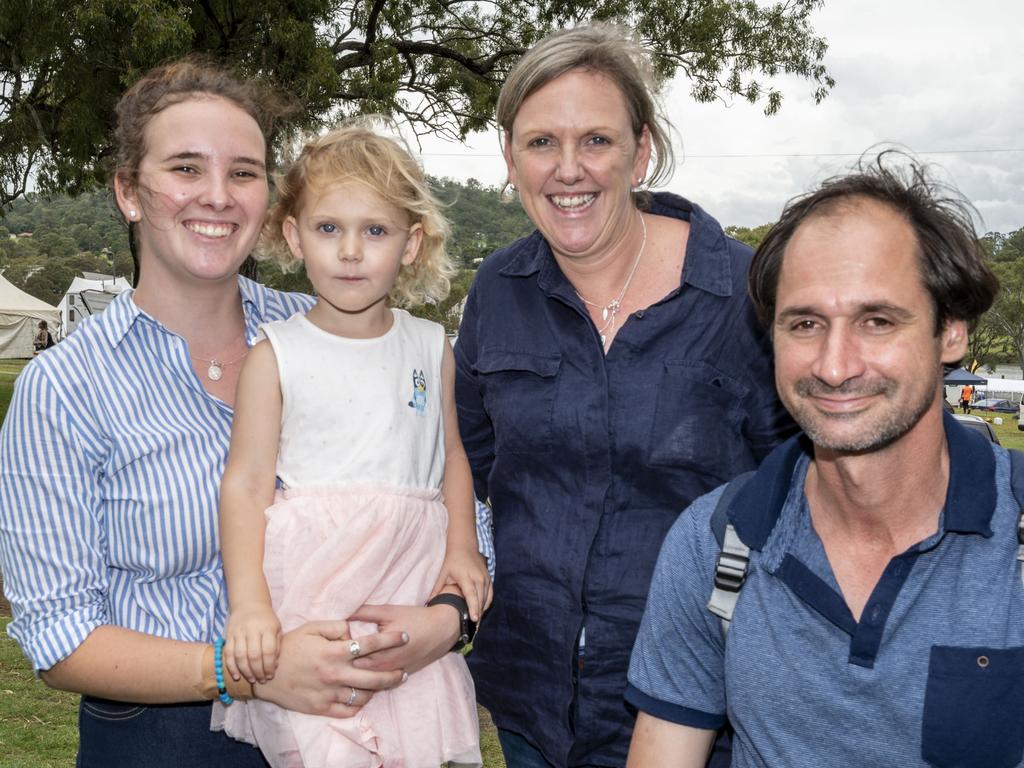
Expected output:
(768, 155)
(849, 154)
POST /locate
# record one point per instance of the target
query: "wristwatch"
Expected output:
(467, 627)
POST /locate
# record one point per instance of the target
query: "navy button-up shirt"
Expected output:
(588, 459)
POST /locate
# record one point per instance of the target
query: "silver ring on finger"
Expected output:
(353, 648)
(351, 698)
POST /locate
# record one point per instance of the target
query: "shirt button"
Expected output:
(639, 314)
(875, 612)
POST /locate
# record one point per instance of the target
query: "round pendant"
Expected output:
(214, 372)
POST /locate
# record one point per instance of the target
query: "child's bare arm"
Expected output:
(252, 638)
(464, 566)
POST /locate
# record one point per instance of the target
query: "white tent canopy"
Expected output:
(1011, 389)
(87, 295)
(1002, 386)
(20, 314)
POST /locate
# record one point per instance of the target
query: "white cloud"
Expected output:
(937, 76)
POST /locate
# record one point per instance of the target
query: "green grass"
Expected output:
(1007, 432)
(9, 369)
(38, 726)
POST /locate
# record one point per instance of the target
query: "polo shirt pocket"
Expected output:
(974, 708)
(519, 391)
(698, 420)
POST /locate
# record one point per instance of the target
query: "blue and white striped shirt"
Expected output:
(110, 464)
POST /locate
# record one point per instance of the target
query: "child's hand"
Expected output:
(252, 642)
(467, 569)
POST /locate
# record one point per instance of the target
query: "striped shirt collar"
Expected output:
(122, 313)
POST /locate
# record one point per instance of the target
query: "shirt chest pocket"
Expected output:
(698, 420)
(974, 708)
(519, 390)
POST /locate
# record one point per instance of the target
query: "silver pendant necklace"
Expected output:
(610, 310)
(215, 368)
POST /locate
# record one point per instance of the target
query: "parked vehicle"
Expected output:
(978, 424)
(995, 404)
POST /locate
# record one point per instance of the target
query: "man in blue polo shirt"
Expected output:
(882, 618)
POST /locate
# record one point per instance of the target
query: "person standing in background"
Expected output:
(966, 393)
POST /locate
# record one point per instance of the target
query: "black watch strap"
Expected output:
(467, 627)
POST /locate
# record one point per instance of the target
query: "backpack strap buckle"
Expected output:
(730, 573)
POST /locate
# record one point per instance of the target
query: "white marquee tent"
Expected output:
(87, 295)
(20, 314)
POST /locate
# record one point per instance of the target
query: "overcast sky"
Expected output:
(944, 78)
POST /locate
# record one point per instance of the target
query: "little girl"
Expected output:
(351, 408)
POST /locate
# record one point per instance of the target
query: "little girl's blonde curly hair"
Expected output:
(356, 152)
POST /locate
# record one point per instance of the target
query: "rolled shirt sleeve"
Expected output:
(51, 535)
(677, 670)
(485, 535)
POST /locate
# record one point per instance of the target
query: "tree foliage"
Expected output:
(1007, 313)
(999, 336)
(986, 344)
(1004, 247)
(483, 219)
(436, 64)
(752, 236)
(46, 241)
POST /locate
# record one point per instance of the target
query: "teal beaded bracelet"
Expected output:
(218, 671)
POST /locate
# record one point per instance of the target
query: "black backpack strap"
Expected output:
(1017, 486)
(733, 556)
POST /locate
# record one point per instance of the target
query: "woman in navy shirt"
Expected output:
(610, 370)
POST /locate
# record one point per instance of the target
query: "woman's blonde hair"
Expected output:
(357, 152)
(609, 50)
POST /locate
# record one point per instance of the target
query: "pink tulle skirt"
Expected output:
(327, 552)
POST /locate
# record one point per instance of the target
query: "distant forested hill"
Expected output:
(46, 241)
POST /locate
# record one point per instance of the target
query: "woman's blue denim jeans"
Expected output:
(519, 753)
(113, 733)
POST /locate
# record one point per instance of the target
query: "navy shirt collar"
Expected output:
(707, 265)
(970, 496)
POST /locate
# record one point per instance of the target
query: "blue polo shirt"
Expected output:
(933, 674)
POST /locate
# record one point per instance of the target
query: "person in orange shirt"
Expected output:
(966, 393)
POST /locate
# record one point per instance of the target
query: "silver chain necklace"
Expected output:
(610, 310)
(215, 368)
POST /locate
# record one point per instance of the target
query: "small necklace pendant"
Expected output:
(214, 372)
(604, 341)
(604, 314)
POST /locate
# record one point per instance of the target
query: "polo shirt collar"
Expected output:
(707, 265)
(122, 313)
(970, 495)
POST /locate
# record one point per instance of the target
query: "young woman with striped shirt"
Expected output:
(115, 442)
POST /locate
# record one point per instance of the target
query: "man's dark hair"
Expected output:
(960, 283)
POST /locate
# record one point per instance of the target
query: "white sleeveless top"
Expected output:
(360, 411)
